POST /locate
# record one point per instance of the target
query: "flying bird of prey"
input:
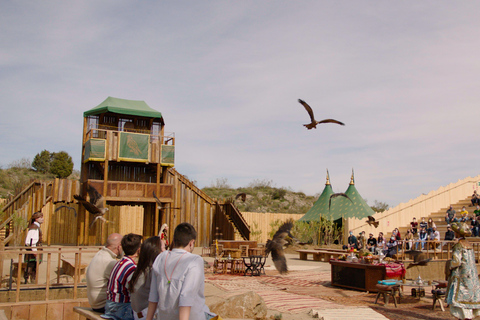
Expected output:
(340, 194)
(241, 195)
(419, 258)
(371, 220)
(69, 208)
(275, 246)
(95, 206)
(313, 123)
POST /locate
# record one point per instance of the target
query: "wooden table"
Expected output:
(358, 276)
(256, 251)
(235, 244)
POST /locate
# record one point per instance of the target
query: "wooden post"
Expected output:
(19, 276)
(47, 289)
(58, 265)
(75, 276)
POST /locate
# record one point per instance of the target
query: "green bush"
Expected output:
(42, 161)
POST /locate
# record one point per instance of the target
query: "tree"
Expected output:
(379, 206)
(42, 161)
(61, 165)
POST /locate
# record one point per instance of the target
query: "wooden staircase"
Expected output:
(237, 219)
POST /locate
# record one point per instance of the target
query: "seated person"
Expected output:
(381, 246)
(98, 272)
(362, 240)
(118, 304)
(423, 224)
(451, 215)
(449, 235)
(475, 198)
(474, 225)
(352, 242)
(391, 247)
(430, 225)
(409, 240)
(371, 243)
(422, 237)
(463, 215)
(435, 238)
(477, 211)
(414, 225)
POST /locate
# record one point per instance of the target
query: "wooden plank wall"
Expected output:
(44, 310)
(259, 221)
(191, 205)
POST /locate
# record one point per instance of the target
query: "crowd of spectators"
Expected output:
(421, 235)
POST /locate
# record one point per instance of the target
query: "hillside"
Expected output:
(263, 197)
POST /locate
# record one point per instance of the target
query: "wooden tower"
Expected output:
(125, 157)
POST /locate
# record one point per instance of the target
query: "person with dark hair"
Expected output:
(449, 235)
(118, 298)
(163, 235)
(99, 269)
(414, 225)
(33, 240)
(139, 285)
(178, 280)
(371, 243)
(475, 198)
(391, 247)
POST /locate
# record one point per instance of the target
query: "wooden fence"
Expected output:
(260, 222)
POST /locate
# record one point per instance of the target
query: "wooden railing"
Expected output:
(235, 216)
(52, 256)
(134, 191)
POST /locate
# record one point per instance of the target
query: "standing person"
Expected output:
(118, 305)
(139, 286)
(98, 272)
(163, 235)
(414, 225)
(463, 290)
(178, 280)
(33, 240)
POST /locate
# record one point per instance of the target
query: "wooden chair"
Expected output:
(218, 266)
(439, 294)
(244, 250)
(238, 266)
(206, 252)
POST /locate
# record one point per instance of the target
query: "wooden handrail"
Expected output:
(20, 194)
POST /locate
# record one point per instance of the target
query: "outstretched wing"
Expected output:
(308, 108)
(156, 199)
(87, 205)
(331, 121)
(275, 246)
(69, 208)
(340, 194)
(95, 197)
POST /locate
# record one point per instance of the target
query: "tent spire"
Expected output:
(328, 179)
(352, 179)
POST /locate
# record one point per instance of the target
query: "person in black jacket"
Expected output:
(449, 235)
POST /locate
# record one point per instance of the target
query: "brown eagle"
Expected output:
(95, 206)
(371, 220)
(313, 123)
(275, 246)
(419, 258)
(340, 194)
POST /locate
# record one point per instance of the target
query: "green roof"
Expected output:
(341, 207)
(320, 207)
(123, 106)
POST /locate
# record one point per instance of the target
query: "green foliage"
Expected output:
(42, 161)
(255, 232)
(278, 316)
(323, 232)
(61, 165)
(262, 197)
(19, 224)
(379, 206)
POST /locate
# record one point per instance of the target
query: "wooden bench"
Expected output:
(88, 313)
(319, 255)
(68, 266)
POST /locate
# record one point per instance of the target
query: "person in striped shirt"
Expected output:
(118, 298)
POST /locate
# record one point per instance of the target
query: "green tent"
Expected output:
(340, 207)
(320, 207)
(123, 106)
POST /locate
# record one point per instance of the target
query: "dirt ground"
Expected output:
(410, 308)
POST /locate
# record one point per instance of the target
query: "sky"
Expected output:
(403, 76)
